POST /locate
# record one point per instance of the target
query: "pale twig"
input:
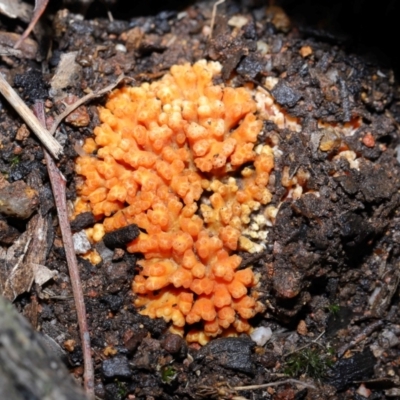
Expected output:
(81, 101)
(40, 6)
(315, 341)
(58, 186)
(365, 333)
(26, 114)
(213, 15)
(278, 383)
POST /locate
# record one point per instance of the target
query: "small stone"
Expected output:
(368, 140)
(302, 328)
(117, 367)
(81, 242)
(110, 351)
(18, 200)
(305, 51)
(172, 343)
(79, 117)
(363, 391)
(22, 133)
(118, 254)
(329, 140)
(69, 345)
(261, 335)
(388, 339)
(285, 95)
(232, 352)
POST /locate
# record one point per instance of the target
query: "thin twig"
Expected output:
(315, 341)
(266, 385)
(58, 186)
(366, 332)
(40, 6)
(81, 101)
(26, 114)
(213, 15)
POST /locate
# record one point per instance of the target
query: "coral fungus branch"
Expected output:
(179, 158)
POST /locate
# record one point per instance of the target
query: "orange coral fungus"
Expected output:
(170, 158)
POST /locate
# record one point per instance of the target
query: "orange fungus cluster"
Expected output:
(179, 157)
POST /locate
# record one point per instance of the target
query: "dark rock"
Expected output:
(116, 368)
(251, 65)
(348, 370)
(172, 343)
(24, 168)
(285, 95)
(82, 221)
(18, 200)
(121, 236)
(268, 359)
(234, 353)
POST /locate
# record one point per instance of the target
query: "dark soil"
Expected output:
(329, 279)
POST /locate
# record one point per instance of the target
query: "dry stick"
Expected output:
(361, 336)
(315, 341)
(40, 6)
(58, 186)
(81, 101)
(266, 385)
(214, 13)
(26, 114)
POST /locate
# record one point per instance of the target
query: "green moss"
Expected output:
(122, 390)
(313, 362)
(168, 374)
(333, 309)
(15, 161)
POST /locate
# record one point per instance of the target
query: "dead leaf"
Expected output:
(68, 71)
(28, 49)
(42, 274)
(11, 262)
(19, 264)
(16, 9)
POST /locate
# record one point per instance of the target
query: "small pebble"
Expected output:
(302, 328)
(81, 242)
(172, 343)
(117, 367)
(261, 335)
(120, 47)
